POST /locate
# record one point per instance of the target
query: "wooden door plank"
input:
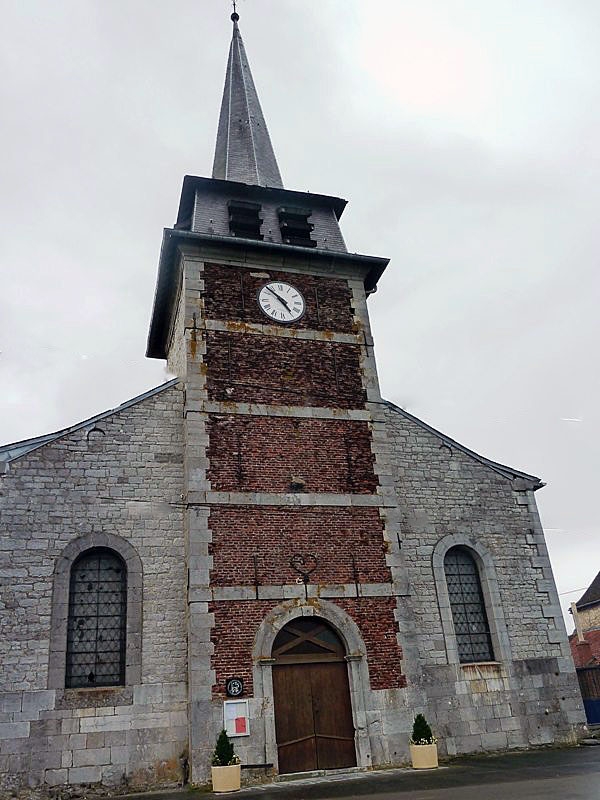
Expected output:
(294, 720)
(334, 727)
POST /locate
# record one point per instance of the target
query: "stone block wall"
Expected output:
(128, 738)
(449, 497)
(114, 482)
(590, 617)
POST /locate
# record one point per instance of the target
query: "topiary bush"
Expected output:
(224, 755)
(421, 732)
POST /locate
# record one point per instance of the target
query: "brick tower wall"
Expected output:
(288, 465)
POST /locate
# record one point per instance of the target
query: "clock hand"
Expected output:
(281, 300)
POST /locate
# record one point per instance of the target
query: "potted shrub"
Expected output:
(226, 770)
(423, 747)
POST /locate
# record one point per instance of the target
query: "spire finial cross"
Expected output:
(235, 16)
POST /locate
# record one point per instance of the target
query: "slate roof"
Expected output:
(9, 452)
(244, 151)
(591, 594)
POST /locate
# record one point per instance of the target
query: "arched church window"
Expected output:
(96, 627)
(468, 607)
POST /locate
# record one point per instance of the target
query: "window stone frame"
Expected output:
(57, 660)
(491, 595)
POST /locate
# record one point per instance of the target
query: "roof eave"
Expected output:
(582, 606)
(194, 183)
(26, 446)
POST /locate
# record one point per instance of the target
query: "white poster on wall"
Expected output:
(235, 718)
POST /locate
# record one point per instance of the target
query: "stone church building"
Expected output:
(264, 543)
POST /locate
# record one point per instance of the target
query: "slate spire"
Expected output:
(244, 151)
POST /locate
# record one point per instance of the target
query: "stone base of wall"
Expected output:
(137, 737)
(475, 708)
(134, 737)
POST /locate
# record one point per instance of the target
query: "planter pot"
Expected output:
(424, 756)
(226, 779)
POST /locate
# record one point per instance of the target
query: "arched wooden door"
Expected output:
(313, 712)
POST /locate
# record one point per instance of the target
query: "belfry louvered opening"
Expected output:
(468, 607)
(295, 227)
(244, 219)
(96, 628)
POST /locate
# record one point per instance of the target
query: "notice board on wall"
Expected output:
(235, 718)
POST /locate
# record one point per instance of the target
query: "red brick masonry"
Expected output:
(230, 294)
(586, 654)
(275, 533)
(236, 625)
(248, 368)
(263, 454)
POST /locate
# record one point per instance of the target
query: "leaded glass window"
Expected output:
(468, 607)
(96, 626)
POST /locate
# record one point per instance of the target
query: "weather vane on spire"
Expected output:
(235, 16)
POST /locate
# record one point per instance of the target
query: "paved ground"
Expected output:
(570, 774)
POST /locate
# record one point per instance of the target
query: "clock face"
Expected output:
(281, 302)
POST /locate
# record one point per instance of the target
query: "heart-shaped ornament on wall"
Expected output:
(305, 564)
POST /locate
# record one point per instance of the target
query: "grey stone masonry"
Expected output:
(448, 497)
(114, 483)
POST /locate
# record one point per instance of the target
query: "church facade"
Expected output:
(263, 543)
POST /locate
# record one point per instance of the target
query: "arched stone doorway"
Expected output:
(313, 711)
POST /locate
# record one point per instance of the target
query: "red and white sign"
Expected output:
(236, 718)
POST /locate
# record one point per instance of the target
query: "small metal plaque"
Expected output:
(234, 687)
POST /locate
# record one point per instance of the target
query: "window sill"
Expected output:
(94, 697)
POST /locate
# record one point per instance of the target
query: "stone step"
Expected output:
(317, 773)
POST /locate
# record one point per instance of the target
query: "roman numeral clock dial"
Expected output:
(281, 302)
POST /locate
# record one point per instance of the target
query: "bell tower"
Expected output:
(262, 313)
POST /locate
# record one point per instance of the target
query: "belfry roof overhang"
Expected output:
(169, 275)
(261, 194)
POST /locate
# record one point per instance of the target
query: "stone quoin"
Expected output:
(266, 516)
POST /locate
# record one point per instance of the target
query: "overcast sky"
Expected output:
(465, 135)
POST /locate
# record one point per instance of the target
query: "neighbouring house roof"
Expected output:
(9, 452)
(591, 594)
(586, 653)
(528, 481)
